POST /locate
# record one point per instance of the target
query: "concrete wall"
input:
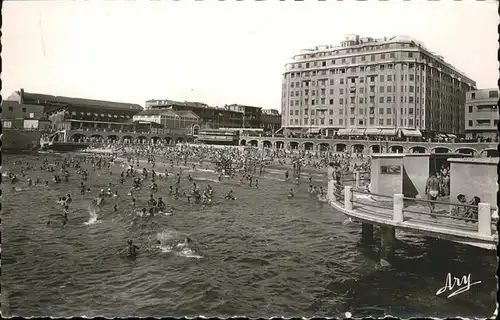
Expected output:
(416, 167)
(386, 184)
(474, 177)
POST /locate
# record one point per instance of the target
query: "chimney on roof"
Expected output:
(21, 96)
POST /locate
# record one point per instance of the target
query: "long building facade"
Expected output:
(481, 114)
(371, 86)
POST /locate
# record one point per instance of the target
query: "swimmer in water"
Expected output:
(290, 194)
(229, 195)
(132, 249)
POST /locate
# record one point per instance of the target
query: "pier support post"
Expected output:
(348, 197)
(331, 191)
(366, 233)
(356, 179)
(484, 219)
(398, 207)
(387, 239)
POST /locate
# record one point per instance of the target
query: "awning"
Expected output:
(451, 135)
(442, 135)
(412, 133)
(388, 132)
(344, 132)
(372, 132)
(314, 130)
(357, 132)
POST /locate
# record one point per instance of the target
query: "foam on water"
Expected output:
(92, 217)
(188, 253)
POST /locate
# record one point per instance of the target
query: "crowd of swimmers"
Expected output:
(248, 164)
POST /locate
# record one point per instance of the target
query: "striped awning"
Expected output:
(358, 131)
(314, 130)
(344, 132)
(451, 135)
(411, 133)
(388, 132)
(372, 131)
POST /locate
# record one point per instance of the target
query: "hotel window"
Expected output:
(331, 101)
(389, 122)
(361, 90)
(353, 59)
(341, 122)
(389, 89)
(382, 67)
(323, 64)
(351, 120)
(470, 123)
(341, 112)
(333, 61)
(382, 56)
(388, 110)
(363, 58)
(296, 112)
(361, 69)
(372, 57)
(382, 78)
(332, 82)
(380, 122)
(352, 110)
(331, 91)
(291, 112)
(411, 89)
(410, 99)
(412, 77)
(372, 121)
(312, 113)
(372, 99)
(410, 54)
(392, 55)
(401, 122)
(372, 68)
(322, 121)
(341, 81)
(361, 100)
(330, 111)
(380, 110)
(389, 77)
(360, 121)
(343, 61)
(341, 101)
(341, 91)
(362, 80)
(330, 121)
(353, 99)
(360, 112)
(410, 122)
(291, 85)
(410, 110)
(296, 121)
(389, 99)
(389, 66)
(470, 109)
(381, 89)
(372, 88)
(307, 64)
(313, 102)
(305, 121)
(322, 100)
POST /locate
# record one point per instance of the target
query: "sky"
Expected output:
(218, 52)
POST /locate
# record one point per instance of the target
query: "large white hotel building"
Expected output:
(373, 87)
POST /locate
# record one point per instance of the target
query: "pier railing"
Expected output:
(394, 208)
